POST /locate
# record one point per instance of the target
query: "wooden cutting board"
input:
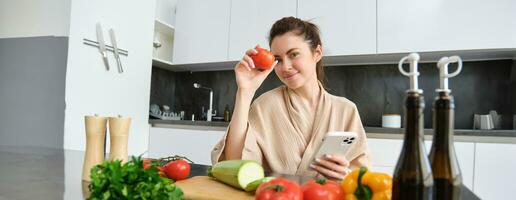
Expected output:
(204, 187)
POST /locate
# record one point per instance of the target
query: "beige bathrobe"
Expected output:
(281, 136)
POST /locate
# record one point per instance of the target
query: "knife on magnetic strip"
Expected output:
(102, 46)
(115, 49)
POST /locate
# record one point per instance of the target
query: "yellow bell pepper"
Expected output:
(363, 185)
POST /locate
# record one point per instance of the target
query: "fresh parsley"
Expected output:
(114, 180)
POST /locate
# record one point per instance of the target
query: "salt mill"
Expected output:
(95, 137)
(118, 136)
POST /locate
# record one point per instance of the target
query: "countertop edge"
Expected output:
(461, 135)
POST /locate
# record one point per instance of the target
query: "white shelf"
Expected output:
(164, 34)
(163, 27)
(163, 64)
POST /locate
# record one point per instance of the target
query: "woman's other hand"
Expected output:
(331, 166)
(248, 77)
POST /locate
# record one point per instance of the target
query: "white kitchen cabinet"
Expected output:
(495, 172)
(418, 26)
(202, 31)
(348, 27)
(385, 154)
(465, 152)
(194, 144)
(251, 21)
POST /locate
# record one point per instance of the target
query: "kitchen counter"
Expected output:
(461, 135)
(44, 173)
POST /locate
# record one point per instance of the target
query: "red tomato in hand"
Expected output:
(177, 170)
(279, 189)
(323, 189)
(263, 59)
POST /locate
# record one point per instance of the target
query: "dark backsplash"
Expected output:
(376, 89)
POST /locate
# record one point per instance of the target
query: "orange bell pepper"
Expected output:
(363, 185)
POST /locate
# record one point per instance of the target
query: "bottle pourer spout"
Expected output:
(413, 59)
(442, 65)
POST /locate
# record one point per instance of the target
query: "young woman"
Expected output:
(283, 127)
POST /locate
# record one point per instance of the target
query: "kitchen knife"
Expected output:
(115, 49)
(102, 47)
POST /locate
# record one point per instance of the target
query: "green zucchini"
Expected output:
(253, 185)
(237, 173)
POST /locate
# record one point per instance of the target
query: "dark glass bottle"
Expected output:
(445, 167)
(413, 175)
(227, 114)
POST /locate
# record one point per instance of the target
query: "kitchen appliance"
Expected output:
(483, 122)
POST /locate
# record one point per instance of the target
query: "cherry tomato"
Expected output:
(177, 170)
(147, 163)
(322, 189)
(277, 189)
(263, 59)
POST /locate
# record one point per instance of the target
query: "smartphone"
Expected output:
(337, 142)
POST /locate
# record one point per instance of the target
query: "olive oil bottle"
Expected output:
(445, 167)
(413, 175)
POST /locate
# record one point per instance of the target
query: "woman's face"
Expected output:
(296, 61)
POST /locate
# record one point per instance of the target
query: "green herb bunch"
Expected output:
(114, 180)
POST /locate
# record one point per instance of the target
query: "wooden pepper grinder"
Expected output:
(119, 135)
(95, 136)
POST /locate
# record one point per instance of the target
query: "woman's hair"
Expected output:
(306, 29)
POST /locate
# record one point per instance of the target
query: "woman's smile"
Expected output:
(290, 75)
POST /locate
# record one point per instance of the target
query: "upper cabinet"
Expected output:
(347, 27)
(202, 31)
(419, 26)
(353, 32)
(251, 21)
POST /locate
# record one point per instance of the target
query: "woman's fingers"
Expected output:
(243, 64)
(251, 52)
(327, 172)
(249, 61)
(331, 165)
(341, 160)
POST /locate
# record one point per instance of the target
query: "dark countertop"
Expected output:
(189, 122)
(461, 132)
(377, 130)
(44, 173)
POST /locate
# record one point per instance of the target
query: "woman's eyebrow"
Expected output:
(290, 50)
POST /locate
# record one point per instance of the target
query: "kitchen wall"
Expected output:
(29, 18)
(513, 86)
(376, 89)
(32, 91)
(166, 11)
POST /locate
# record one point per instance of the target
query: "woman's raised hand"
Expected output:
(248, 77)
